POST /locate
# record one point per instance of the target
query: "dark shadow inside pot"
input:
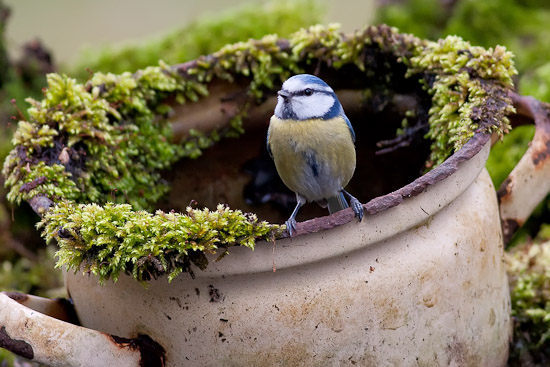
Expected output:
(240, 173)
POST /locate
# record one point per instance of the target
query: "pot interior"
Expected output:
(240, 173)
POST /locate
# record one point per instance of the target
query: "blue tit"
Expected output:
(312, 141)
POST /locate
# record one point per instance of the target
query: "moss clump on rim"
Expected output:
(110, 239)
(107, 139)
(104, 135)
(462, 100)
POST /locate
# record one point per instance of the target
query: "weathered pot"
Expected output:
(420, 281)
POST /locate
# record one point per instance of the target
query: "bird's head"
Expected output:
(306, 96)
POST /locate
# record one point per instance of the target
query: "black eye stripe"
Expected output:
(309, 92)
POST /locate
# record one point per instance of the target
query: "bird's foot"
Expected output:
(357, 208)
(355, 204)
(290, 226)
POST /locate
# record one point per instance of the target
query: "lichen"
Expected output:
(105, 141)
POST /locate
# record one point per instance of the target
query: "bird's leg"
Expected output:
(291, 222)
(355, 205)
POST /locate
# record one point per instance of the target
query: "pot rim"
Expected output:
(383, 39)
(394, 198)
(385, 216)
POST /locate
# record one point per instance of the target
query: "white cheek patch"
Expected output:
(315, 106)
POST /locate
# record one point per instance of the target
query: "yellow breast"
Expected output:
(315, 158)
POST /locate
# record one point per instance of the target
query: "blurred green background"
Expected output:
(67, 26)
(70, 36)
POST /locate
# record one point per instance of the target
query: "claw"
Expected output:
(357, 208)
(290, 226)
(356, 205)
(291, 222)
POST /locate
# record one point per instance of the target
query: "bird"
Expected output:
(312, 143)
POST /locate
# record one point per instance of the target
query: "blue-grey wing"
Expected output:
(349, 125)
(268, 146)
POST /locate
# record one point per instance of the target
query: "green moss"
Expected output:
(77, 123)
(106, 140)
(109, 124)
(261, 60)
(52, 181)
(529, 270)
(112, 239)
(461, 96)
(520, 25)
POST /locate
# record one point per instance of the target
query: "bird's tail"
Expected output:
(337, 203)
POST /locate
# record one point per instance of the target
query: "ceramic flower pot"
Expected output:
(420, 281)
